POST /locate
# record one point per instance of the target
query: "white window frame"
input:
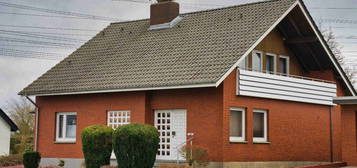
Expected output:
(128, 119)
(261, 59)
(265, 138)
(275, 62)
(242, 138)
(64, 138)
(287, 58)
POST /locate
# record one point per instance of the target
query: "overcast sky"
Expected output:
(17, 72)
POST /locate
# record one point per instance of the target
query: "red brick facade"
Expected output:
(297, 131)
(349, 134)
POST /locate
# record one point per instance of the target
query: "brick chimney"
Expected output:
(164, 11)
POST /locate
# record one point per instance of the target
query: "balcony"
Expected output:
(283, 87)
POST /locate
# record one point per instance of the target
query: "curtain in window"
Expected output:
(236, 124)
(258, 121)
(71, 126)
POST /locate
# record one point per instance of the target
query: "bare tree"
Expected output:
(20, 111)
(336, 49)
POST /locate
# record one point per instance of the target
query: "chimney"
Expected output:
(165, 11)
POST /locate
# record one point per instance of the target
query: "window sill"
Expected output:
(64, 142)
(261, 142)
(238, 142)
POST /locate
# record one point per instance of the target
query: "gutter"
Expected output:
(36, 121)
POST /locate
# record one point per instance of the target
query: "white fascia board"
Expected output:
(331, 56)
(128, 90)
(256, 43)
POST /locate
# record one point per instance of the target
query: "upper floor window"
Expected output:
(66, 126)
(118, 118)
(260, 126)
(284, 64)
(270, 64)
(244, 63)
(257, 61)
(237, 125)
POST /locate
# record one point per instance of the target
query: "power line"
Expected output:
(25, 7)
(47, 37)
(49, 28)
(332, 8)
(37, 46)
(348, 21)
(50, 16)
(49, 33)
(30, 54)
(18, 40)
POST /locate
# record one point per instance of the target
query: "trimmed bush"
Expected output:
(31, 159)
(97, 145)
(136, 145)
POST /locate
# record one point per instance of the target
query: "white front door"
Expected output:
(171, 125)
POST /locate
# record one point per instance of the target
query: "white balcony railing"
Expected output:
(292, 88)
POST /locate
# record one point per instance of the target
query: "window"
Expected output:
(260, 126)
(237, 125)
(284, 64)
(257, 61)
(244, 63)
(66, 125)
(270, 66)
(118, 118)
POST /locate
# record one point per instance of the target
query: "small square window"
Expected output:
(118, 118)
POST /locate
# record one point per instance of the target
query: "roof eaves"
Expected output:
(8, 120)
(120, 90)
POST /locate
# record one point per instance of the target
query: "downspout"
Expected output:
(36, 121)
(331, 136)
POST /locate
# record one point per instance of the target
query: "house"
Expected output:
(252, 84)
(6, 127)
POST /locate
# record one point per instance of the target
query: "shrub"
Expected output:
(10, 160)
(97, 145)
(195, 156)
(31, 159)
(135, 145)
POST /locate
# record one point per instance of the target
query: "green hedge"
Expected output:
(135, 145)
(97, 145)
(31, 159)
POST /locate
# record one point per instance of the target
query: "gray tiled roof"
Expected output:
(199, 50)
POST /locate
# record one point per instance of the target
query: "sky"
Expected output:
(36, 34)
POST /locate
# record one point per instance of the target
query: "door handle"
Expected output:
(173, 133)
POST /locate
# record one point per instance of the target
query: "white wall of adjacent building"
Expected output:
(5, 132)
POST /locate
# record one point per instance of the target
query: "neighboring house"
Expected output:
(6, 127)
(253, 84)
